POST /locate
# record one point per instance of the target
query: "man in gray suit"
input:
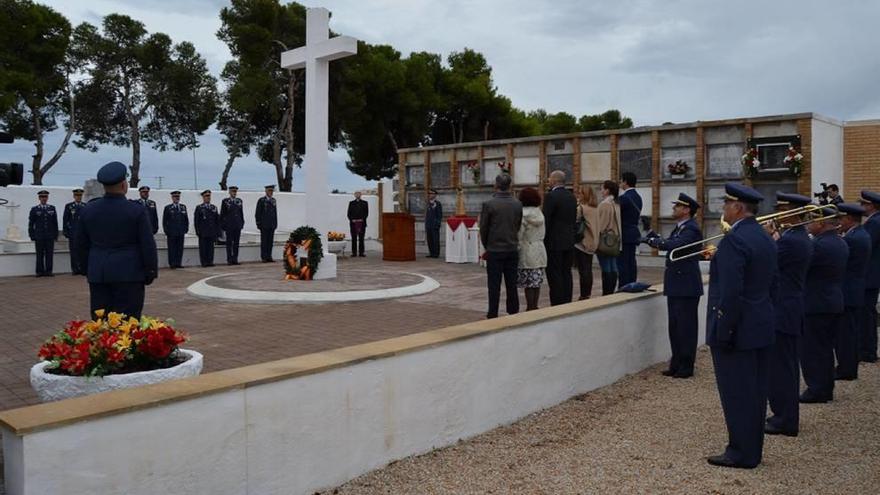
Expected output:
(499, 229)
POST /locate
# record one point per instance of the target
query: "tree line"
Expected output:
(117, 84)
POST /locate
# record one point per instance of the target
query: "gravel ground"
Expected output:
(651, 434)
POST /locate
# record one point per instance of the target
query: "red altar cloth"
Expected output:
(455, 221)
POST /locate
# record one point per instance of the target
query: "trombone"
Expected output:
(776, 220)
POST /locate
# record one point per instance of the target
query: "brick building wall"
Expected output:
(861, 158)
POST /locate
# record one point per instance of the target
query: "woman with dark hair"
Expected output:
(532, 254)
(587, 212)
(609, 223)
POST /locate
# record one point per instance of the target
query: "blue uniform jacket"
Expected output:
(175, 223)
(232, 214)
(150, 205)
(794, 249)
(859, 243)
(872, 227)
(433, 216)
(207, 221)
(72, 211)
(43, 223)
(630, 212)
(116, 242)
(267, 214)
(824, 287)
(740, 311)
(682, 278)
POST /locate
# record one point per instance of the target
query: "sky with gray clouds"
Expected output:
(656, 61)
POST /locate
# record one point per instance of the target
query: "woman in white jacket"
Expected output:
(532, 254)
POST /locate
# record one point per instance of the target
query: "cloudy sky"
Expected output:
(657, 61)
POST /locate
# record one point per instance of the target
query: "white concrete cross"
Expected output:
(315, 57)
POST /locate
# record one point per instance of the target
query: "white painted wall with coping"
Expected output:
(827, 153)
(297, 435)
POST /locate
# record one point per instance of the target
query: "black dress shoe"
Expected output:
(723, 461)
(810, 399)
(847, 378)
(362, 255)
(667, 373)
(772, 430)
(683, 375)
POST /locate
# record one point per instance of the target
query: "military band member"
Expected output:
(846, 341)
(232, 221)
(175, 224)
(267, 222)
(72, 211)
(116, 246)
(740, 326)
(43, 230)
(794, 249)
(823, 309)
(870, 201)
(207, 223)
(683, 287)
(358, 210)
(150, 205)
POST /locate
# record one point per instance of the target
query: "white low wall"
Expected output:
(313, 422)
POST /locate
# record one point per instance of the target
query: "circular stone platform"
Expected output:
(263, 287)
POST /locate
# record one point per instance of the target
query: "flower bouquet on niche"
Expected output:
(505, 168)
(474, 168)
(750, 162)
(680, 167)
(335, 236)
(794, 161)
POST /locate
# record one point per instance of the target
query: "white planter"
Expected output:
(336, 247)
(51, 387)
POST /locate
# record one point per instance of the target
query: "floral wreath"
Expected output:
(750, 162)
(794, 161)
(302, 268)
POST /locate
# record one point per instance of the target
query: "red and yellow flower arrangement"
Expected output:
(116, 344)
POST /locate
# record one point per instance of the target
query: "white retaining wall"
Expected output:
(301, 434)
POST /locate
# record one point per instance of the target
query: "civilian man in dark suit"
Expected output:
(870, 201)
(116, 245)
(846, 340)
(683, 286)
(630, 236)
(267, 222)
(150, 205)
(794, 249)
(43, 230)
(358, 211)
(740, 326)
(175, 224)
(560, 214)
(207, 222)
(823, 301)
(232, 221)
(500, 220)
(433, 221)
(72, 211)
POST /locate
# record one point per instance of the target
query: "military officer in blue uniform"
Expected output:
(846, 340)
(870, 201)
(267, 222)
(43, 230)
(207, 222)
(117, 247)
(740, 326)
(683, 287)
(72, 211)
(794, 249)
(823, 303)
(175, 224)
(150, 205)
(232, 221)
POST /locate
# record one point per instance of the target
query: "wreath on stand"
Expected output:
(298, 266)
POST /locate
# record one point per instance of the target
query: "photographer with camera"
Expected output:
(830, 194)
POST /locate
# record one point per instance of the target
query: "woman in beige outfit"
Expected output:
(609, 219)
(587, 212)
(532, 254)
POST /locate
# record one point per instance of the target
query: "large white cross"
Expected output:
(315, 57)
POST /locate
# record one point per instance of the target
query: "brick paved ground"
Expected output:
(232, 335)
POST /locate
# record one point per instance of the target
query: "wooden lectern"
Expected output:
(398, 237)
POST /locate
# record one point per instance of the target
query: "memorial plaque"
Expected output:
(688, 154)
(491, 169)
(561, 162)
(415, 175)
(772, 155)
(724, 160)
(637, 162)
(714, 201)
(647, 195)
(440, 175)
(595, 167)
(768, 190)
(526, 170)
(416, 202)
(669, 193)
(447, 200)
(473, 201)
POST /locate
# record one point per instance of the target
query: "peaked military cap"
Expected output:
(206, 191)
(685, 200)
(111, 173)
(869, 197)
(77, 191)
(742, 193)
(850, 209)
(175, 193)
(233, 188)
(42, 192)
(791, 199)
(144, 188)
(270, 186)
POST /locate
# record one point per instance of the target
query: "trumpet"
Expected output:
(777, 221)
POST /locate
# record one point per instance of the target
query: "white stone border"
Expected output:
(204, 290)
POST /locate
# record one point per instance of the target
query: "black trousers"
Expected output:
(267, 240)
(432, 236)
(846, 342)
(626, 264)
(559, 276)
(817, 354)
(232, 239)
(742, 379)
(585, 272)
(175, 251)
(785, 383)
(75, 265)
(357, 240)
(683, 330)
(206, 250)
(45, 255)
(498, 265)
(120, 297)
(868, 333)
